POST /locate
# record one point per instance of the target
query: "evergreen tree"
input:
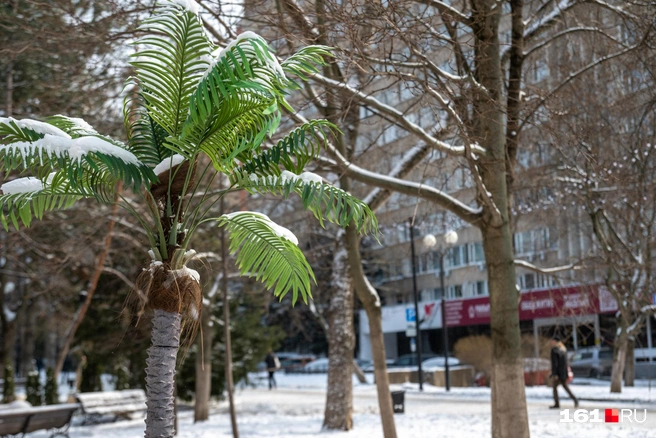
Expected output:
(8, 389)
(51, 393)
(33, 389)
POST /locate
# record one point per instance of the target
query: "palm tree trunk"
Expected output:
(160, 374)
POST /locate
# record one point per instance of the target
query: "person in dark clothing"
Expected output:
(273, 364)
(559, 371)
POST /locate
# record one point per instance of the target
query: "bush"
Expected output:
(51, 393)
(122, 378)
(8, 390)
(475, 351)
(33, 389)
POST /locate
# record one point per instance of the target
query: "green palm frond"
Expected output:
(305, 62)
(27, 198)
(237, 101)
(265, 252)
(325, 201)
(303, 143)
(170, 63)
(92, 163)
(146, 139)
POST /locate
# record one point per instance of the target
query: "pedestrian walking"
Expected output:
(273, 365)
(559, 371)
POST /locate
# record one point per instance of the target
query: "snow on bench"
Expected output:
(116, 403)
(15, 421)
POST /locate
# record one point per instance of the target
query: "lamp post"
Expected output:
(416, 300)
(450, 238)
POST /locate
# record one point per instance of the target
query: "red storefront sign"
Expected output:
(579, 300)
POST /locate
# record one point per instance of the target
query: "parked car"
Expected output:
(290, 362)
(410, 360)
(592, 362)
(438, 362)
(316, 366)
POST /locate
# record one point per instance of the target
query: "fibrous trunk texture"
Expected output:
(341, 341)
(160, 374)
(371, 303)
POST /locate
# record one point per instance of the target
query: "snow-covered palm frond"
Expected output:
(269, 253)
(170, 62)
(325, 201)
(27, 198)
(293, 151)
(75, 127)
(92, 163)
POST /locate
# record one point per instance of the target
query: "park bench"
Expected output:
(120, 404)
(25, 420)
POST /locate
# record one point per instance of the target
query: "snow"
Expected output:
(28, 184)
(168, 163)
(36, 126)
(263, 218)
(74, 148)
(296, 409)
(188, 5)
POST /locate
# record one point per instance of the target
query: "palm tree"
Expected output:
(192, 113)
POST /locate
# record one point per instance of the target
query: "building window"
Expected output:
(480, 287)
(476, 253)
(454, 291)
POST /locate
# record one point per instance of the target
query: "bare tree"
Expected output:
(468, 63)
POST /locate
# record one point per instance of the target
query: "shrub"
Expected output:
(33, 389)
(8, 395)
(51, 393)
(475, 351)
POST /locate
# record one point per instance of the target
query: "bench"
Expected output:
(25, 420)
(96, 405)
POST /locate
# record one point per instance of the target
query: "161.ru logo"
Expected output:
(607, 416)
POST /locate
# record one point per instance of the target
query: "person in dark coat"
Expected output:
(272, 364)
(559, 371)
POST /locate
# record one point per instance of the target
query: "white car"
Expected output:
(317, 366)
(438, 362)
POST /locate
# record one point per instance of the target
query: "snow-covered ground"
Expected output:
(295, 410)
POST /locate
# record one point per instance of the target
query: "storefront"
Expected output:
(582, 315)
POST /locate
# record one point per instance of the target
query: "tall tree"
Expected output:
(467, 64)
(189, 105)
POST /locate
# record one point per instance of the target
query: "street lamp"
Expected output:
(450, 238)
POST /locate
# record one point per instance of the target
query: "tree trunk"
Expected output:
(27, 341)
(204, 368)
(91, 287)
(619, 361)
(341, 342)
(371, 303)
(629, 363)
(509, 413)
(160, 374)
(230, 386)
